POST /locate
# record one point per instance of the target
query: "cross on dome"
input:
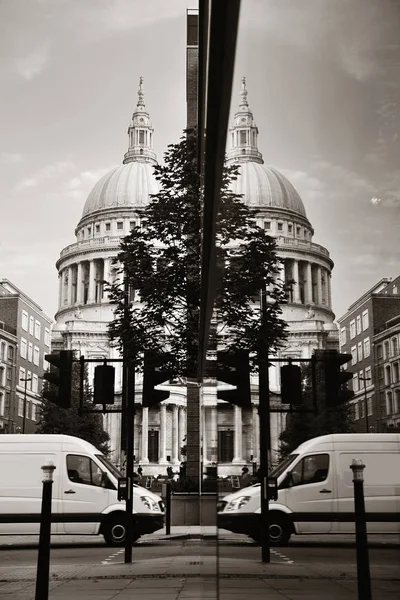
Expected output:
(140, 93)
(243, 93)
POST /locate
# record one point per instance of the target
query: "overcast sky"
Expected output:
(323, 79)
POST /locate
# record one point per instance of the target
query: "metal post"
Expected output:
(265, 442)
(363, 573)
(130, 423)
(168, 509)
(43, 563)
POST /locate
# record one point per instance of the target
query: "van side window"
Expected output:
(311, 469)
(82, 469)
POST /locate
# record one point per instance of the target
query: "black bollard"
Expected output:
(363, 573)
(43, 564)
(168, 509)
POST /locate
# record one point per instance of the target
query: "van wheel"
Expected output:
(114, 531)
(279, 532)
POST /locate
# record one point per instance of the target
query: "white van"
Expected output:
(317, 478)
(84, 492)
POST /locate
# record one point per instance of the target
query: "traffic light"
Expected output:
(154, 373)
(59, 376)
(336, 389)
(291, 392)
(233, 367)
(104, 379)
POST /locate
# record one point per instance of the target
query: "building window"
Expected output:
(387, 375)
(379, 352)
(35, 381)
(353, 355)
(10, 353)
(141, 138)
(37, 330)
(280, 226)
(132, 224)
(36, 356)
(153, 436)
(3, 351)
(31, 324)
(23, 348)
(367, 348)
(389, 403)
(342, 338)
(359, 351)
(1, 404)
(34, 411)
(386, 349)
(9, 374)
(120, 225)
(290, 228)
(25, 320)
(108, 226)
(396, 372)
(242, 137)
(394, 346)
(368, 375)
(396, 401)
(365, 320)
(355, 382)
(47, 337)
(29, 380)
(97, 228)
(369, 406)
(21, 376)
(2, 374)
(356, 411)
(381, 375)
(267, 224)
(395, 290)
(225, 446)
(89, 231)
(358, 325)
(362, 410)
(20, 407)
(352, 329)
(298, 230)
(30, 351)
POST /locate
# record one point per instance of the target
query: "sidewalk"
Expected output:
(193, 577)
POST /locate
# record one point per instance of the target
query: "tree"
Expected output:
(87, 426)
(160, 260)
(301, 427)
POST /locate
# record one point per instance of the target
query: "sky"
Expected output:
(323, 82)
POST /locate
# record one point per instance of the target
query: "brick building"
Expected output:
(8, 353)
(29, 327)
(363, 329)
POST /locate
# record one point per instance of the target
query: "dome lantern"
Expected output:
(244, 133)
(140, 134)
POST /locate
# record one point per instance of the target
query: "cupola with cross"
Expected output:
(140, 133)
(243, 134)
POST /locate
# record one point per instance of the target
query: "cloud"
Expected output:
(79, 186)
(46, 173)
(30, 66)
(10, 158)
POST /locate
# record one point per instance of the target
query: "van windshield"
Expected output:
(279, 469)
(109, 466)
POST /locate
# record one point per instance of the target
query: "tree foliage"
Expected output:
(161, 262)
(301, 427)
(87, 426)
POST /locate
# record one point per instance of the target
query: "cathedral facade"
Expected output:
(230, 435)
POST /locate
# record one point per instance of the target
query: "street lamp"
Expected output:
(26, 379)
(365, 379)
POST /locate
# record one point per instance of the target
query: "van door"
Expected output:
(83, 495)
(313, 490)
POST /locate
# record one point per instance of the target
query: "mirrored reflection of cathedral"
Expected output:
(229, 435)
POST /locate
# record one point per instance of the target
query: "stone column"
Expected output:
(163, 433)
(69, 286)
(319, 285)
(127, 228)
(91, 282)
(237, 451)
(60, 289)
(182, 427)
(144, 452)
(256, 436)
(106, 277)
(175, 435)
(214, 435)
(328, 288)
(281, 274)
(79, 284)
(296, 286)
(309, 287)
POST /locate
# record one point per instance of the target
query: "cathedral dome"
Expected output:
(126, 186)
(265, 187)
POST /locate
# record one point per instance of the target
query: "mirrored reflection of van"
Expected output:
(84, 492)
(317, 478)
